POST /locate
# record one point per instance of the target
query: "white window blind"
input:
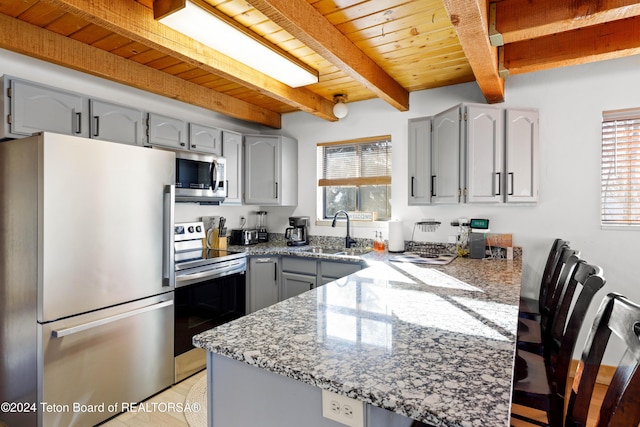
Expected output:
(355, 175)
(621, 168)
(364, 161)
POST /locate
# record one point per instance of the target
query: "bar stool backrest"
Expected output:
(621, 403)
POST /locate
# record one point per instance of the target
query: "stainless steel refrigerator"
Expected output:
(86, 278)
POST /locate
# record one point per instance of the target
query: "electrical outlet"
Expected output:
(342, 409)
(243, 221)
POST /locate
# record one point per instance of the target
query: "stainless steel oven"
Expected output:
(210, 291)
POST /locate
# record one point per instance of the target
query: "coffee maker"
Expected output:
(296, 235)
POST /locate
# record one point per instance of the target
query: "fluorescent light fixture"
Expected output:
(197, 23)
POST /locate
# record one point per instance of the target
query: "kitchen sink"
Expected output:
(354, 251)
(338, 251)
(320, 250)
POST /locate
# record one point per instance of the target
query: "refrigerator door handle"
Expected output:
(90, 325)
(168, 254)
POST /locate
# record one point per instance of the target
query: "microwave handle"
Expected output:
(214, 176)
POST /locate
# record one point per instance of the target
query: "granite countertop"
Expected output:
(433, 343)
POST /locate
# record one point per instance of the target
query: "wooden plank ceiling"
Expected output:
(364, 49)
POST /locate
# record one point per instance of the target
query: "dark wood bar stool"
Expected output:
(621, 403)
(533, 333)
(531, 307)
(544, 386)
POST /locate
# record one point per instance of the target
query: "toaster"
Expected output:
(243, 236)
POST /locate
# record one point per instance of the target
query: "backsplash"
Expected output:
(426, 248)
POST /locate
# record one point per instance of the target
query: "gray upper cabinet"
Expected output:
(522, 156)
(232, 152)
(30, 107)
(167, 131)
(484, 142)
(270, 170)
(479, 154)
(116, 123)
(420, 161)
(445, 157)
(205, 139)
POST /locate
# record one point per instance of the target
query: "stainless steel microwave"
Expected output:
(200, 178)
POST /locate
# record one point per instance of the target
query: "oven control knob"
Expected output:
(198, 228)
(190, 229)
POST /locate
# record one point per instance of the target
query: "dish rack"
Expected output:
(425, 225)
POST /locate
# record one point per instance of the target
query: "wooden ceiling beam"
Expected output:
(135, 21)
(304, 22)
(595, 43)
(519, 20)
(470, 19)
(27, 39)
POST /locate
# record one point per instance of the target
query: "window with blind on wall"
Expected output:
(621, 168)
(355, 175)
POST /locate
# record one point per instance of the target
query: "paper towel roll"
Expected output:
(396, 237)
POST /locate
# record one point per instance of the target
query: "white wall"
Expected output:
(570, 101)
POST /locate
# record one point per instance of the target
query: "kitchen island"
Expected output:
(434, 344)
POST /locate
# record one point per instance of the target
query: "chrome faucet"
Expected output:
(348, 241)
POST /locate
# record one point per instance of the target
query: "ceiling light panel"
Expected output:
(200, 25)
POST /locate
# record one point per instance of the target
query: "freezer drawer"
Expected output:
(103, 359)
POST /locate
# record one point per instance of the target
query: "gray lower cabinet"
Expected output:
(302, 274)
(272, 278)
(328, 271)
(116, 123)
(293, 284)
(262, 282)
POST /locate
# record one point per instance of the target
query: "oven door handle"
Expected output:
(101, 322)
(212, 272)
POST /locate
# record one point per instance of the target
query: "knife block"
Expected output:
(216, 241)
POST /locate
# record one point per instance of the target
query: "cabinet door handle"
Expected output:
(96, 125)
(433, 185)
(275, 272)
(499, 182)
(412, 180)
(310, 285)
(276, 190)
(511, 182)
(78, 122)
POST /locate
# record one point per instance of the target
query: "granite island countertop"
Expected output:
(433, 343)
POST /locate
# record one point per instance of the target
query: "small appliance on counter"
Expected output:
(297, 234)
(477, 244)
(243, 236)
(261, 226)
